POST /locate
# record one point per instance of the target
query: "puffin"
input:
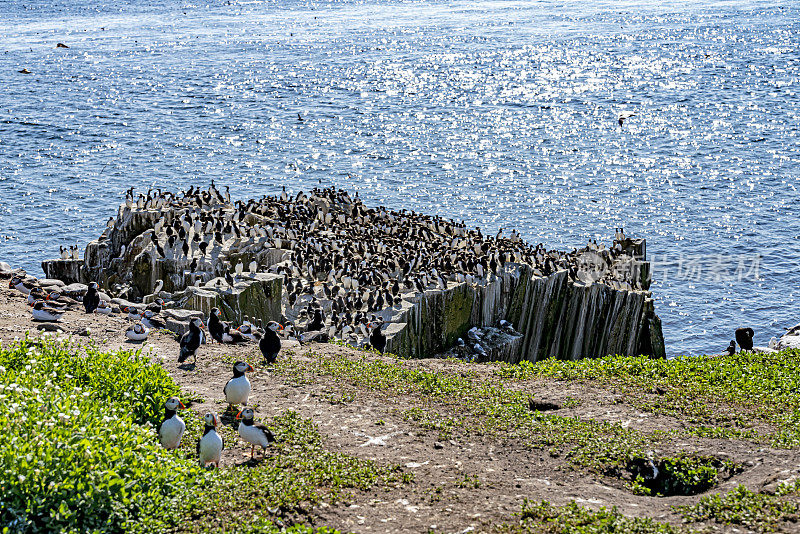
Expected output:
(42, 312)
(209, 447)
(237, 389)
(137, 332)
(191, 341)
(54, 298)
(220, 330)
(731, 350)
(253, 433)
(133, 313)
(172, 427)
(103, 308)
(377, 338)
(36, 293)
(21, 285)
(152, 320)
(270, 343)
(92, 298)
(247, 332)
(744, 337)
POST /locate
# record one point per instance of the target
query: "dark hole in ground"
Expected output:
(679, 475)
(542, 405)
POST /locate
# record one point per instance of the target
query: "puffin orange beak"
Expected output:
(11, 285)
(181, 405)
(281, 327)
(250, 368)
(239, 415)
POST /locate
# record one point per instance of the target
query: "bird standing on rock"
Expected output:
(209, 447)
(237, 389)
(377, 338)
(744, 337)
(270, 343)
(92, 298)
(172, 427)
(253, 433)
(731, 350)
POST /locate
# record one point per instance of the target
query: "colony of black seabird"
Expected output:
(345, 265)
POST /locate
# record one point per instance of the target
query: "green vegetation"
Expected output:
(680, 475)
(543, 517)
(75, 456)
(79, 454)
(725, 396)
(449, 403)
(755, 511)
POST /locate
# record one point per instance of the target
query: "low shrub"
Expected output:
(78, 453)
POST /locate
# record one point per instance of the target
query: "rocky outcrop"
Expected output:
(790, 340)
(429, 278)
(68, 271)
(257, 296)
(556, 317)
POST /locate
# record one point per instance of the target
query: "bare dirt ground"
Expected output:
(438, 499)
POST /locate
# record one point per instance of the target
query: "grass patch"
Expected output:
(721, 396)
(679, 475)
(76, 454)
(760, 512)
(465, 403)
(543, 517)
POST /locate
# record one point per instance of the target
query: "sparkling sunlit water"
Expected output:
(503, 114)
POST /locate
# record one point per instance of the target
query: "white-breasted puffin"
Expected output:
(152, 320)
(103, 308)
(270, 343)
(209, 447)
(21, 285)
(247, 331)
(237, 389)
(137, 332)
(172, 427)
(191, 341)
(42, 312)
(252, 433)
(133, 313)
